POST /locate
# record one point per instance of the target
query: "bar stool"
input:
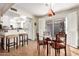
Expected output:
(40, 43)
(25, 38)
(22, 39)
(14, 43)
(2, 41)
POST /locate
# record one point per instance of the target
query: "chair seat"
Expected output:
(57, 46)
(11, 36)
(41, 42)
(59, 41)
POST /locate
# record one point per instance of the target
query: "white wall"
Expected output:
(29, 28)
(41, 26)
(72, 29)
(34, 28)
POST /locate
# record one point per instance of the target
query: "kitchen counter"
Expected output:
(10, 32)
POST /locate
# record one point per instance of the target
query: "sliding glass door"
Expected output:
(54, 26)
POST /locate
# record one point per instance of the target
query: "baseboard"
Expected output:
(73, 47)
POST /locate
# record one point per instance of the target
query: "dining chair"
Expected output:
(40, 43)
(59, 43)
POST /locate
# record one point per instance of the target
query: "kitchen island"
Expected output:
(8, 32)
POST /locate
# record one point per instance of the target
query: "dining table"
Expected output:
(48, 41)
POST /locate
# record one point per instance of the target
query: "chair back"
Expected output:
(61, 37)
(37, 37)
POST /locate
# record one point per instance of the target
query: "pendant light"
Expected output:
(50, 12)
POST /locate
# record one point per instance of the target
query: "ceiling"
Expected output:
(40, 9)
(37, 9)
(32, 8)
(1, 5)
(4, 7)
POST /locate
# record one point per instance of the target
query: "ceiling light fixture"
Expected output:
(50, 11)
